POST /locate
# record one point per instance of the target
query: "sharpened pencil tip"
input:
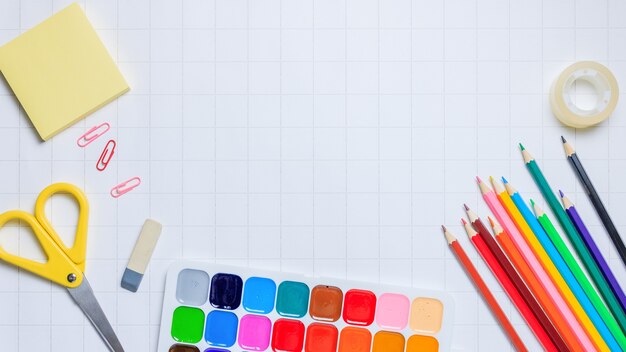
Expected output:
(504, 180)
(563, 139)
(532, 202)
(479, 179)
(537, 210)
(466, 207)
(449, 237)
(491, 221)
(561, 193)
(521, 147)
(463, 221)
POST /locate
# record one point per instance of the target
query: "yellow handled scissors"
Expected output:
(64, 265)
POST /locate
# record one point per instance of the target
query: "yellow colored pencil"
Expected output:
(546, 259)
(568, 323)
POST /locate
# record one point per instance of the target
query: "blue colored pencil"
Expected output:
(562, 267)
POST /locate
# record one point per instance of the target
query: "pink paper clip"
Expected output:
(93, 134)
(125, 187)
(106, 156)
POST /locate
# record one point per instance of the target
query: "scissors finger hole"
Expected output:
(62, 212)
(17, 238)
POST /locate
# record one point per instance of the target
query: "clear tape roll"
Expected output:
(600, 78)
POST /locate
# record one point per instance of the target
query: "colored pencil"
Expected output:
(558, 271)
(505, 241)
(535, 274)
(584, 179)
(574, 237)
(488, 297)
(498, 210)
(593, 249)
(588, 298)
(509, 287)
(555, 338)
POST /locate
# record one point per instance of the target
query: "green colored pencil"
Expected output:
(575, 239)
(580, 276)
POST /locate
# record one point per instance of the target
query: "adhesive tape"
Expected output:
(605, 86)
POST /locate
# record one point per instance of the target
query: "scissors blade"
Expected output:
(86, 300)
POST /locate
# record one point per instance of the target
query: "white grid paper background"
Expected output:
(325, 137)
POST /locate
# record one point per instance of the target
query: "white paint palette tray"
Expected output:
(217, 308)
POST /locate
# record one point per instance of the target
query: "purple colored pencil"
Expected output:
(593, 249)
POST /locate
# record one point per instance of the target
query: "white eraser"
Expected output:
(141, 255)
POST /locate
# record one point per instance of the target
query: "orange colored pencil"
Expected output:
(471, 271)
(533, 283)
(503, 217)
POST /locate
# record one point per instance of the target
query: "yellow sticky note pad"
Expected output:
(60, 71)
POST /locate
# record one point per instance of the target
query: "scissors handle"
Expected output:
(58, 267)
(78, 251)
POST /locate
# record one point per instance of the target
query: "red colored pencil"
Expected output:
(548, 327)
(541, 315)
(486, 293)
(510, 287)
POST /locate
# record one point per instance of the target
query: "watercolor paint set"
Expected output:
(216, 308)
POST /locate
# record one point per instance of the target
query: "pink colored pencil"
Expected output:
(537, 269)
